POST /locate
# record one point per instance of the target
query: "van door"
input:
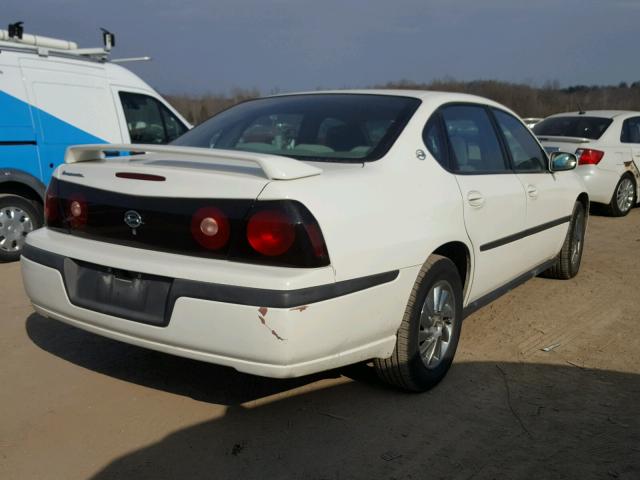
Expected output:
(146, 119)
(546, 222)
(494, 200)
(73, 106)
(18, 142)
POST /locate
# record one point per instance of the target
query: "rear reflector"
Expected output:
(588, 156)
(140, 176)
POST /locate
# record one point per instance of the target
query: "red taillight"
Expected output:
(271, 232)
(210, 228)
(317, 240)
(51, 208)
(588, 156)
(77, 211)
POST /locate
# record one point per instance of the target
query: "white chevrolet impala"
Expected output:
(299, 233)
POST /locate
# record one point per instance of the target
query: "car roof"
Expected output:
(597, 113)
(420, 94)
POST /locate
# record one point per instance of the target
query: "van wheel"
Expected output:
(18, 217)
(428, 335)
(624, 197)
(570, 257)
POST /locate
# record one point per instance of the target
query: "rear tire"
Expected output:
(568, 261)
(18, 217)
(428, 336)
(624, 197)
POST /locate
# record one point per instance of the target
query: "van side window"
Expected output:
(148, 121)
(474, 143)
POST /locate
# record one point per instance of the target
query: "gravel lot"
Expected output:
(77, 406)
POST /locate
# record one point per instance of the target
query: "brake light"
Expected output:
(51, 208)
(271, 232)
(210, 228)
(140, 176)
(77, 211)
(317, 240)
(588, 156)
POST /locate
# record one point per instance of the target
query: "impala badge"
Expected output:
(133, 220)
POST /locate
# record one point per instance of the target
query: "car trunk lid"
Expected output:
(152, 170)
(553, 143)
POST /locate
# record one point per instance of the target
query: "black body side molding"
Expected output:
(498, 292)
(525, 233)
(259, 297)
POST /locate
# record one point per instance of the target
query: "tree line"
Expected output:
(526, 100)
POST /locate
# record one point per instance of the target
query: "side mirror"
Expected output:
(562, 161)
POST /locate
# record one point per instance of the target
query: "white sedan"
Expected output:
(607, 144)
(300, 233)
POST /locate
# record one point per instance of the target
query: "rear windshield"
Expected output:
(318, 127)
(578, 126)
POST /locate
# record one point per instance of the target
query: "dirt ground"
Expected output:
(77, 406)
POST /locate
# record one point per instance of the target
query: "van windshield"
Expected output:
(578, 126)
(318, 127)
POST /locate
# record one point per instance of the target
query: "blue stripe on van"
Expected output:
(48, 137)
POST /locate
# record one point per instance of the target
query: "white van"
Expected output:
(52, 95)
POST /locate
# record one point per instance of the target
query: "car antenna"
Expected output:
(581, 110)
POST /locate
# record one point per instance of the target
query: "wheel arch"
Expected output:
(584, 199)
(19, 183)
(459, 253)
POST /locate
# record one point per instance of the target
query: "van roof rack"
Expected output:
(14, 37)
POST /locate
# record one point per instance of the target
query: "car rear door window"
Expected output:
(473, 140)
(435, 141)
(526, 154)
(631, 130)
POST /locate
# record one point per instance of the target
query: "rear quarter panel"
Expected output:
(384, 215)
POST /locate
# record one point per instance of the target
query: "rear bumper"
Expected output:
(277, 335)
(600, 183)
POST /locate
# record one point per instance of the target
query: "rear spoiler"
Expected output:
(552, 138)
(274, 167)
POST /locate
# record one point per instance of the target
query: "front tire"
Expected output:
(428, 336)
(624, 197)
(570, 257)
(18, 217)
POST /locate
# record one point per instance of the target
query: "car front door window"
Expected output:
(526, 154)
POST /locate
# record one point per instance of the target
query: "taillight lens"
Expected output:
(589, 156)
(283, 233)
(77, 211)
(210, 228)
(271, 232)
(51, 208)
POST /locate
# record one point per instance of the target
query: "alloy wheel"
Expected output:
(625, 194)
(436, 324)
(577, 239)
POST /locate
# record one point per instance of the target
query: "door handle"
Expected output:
(532, 191)
(475, 198)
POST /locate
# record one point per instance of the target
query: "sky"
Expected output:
(214, 46)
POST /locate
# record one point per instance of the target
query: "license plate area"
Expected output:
(131, 295)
